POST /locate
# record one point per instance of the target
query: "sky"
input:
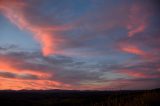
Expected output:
(79, 44)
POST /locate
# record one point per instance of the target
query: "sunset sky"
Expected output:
(79, 44)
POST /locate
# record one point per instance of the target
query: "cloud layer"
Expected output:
(84, 44)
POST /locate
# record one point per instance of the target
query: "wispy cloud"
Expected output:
(83, 45)
(17, 12)
(138, 19)
(132, 49)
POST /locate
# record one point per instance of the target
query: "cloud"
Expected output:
(18, 84)
(63, 70)
(141, 73)
(132, 84)
(16, 12)
(18, 76)
(88, 46)
(138, 18)
(23, 75)
(19, 65)
(136, 73)
(132, 49)
(28, 68)
(59, 37)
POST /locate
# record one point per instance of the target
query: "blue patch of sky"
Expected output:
(65, 11)
(10, 34)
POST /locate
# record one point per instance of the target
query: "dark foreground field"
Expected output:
(80, 98)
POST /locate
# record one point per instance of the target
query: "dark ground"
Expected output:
(80, 98)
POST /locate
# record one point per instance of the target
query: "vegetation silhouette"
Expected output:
(80, 98)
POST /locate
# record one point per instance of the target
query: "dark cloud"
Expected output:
(7, 75)
(18, 76)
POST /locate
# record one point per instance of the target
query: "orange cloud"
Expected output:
(9, 67)
(133, 49)
(46, 35)
(18, 84)
(23, 78)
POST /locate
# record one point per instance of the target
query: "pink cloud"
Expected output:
(11, 66)
(133, 73)
(132, 49)
(13, 75)
(45, 34)
(138, 19)
(140, 73)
